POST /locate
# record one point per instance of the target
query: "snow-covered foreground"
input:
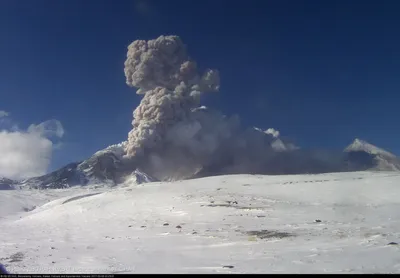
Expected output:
(227, 224)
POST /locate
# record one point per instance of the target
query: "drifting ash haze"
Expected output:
(175, 138)
(172, 136)
(326, 223)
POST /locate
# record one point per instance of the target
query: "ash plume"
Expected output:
(172, 136)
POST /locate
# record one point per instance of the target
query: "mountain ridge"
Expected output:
(384, 160)
(361, 145)
(108, 166)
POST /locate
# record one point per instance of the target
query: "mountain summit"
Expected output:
(364, 146)
(108, 167)
(371, 157)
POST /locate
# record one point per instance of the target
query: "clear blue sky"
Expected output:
(321, 72)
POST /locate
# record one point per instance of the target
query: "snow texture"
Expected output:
(326, 223)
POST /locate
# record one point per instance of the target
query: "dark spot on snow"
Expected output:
(260, 216)
(53, 262)
(212, 202)
(29, 209)
(52, 248)
(318, 221)
(231, 204)
(218, 189)
(118, 272)
(219, 205)
(142, 226)
(15, 258)
(235, 202)
(79, 197)
(166, 224)
(130, 226)
(251, 208)
(265, 234)
(393, 243)
(228, 266)
(179, 227)
(246, 184)
(194, 233)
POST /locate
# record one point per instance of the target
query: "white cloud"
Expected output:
(25, 154)
(275, 133)
(3, 113)
(48, 128)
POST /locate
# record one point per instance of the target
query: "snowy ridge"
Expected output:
(326, 223)
(7, 184)
(142, 177)
(138, 177)
(277, 143)
(384, 160)
(360, 145)
(108, 167)
(117, 149)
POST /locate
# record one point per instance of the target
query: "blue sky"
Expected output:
(321, 72)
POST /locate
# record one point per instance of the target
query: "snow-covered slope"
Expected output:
(64, 177)
(138, 177)
(7, 184)
(374, 158)
(21, 201)
(328, 223)
(104, 167)
(108, 167)
(361, 145)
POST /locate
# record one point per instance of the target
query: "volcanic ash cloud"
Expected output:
(172, 136)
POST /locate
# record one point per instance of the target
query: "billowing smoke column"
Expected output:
(163, 72)
(174, 138)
